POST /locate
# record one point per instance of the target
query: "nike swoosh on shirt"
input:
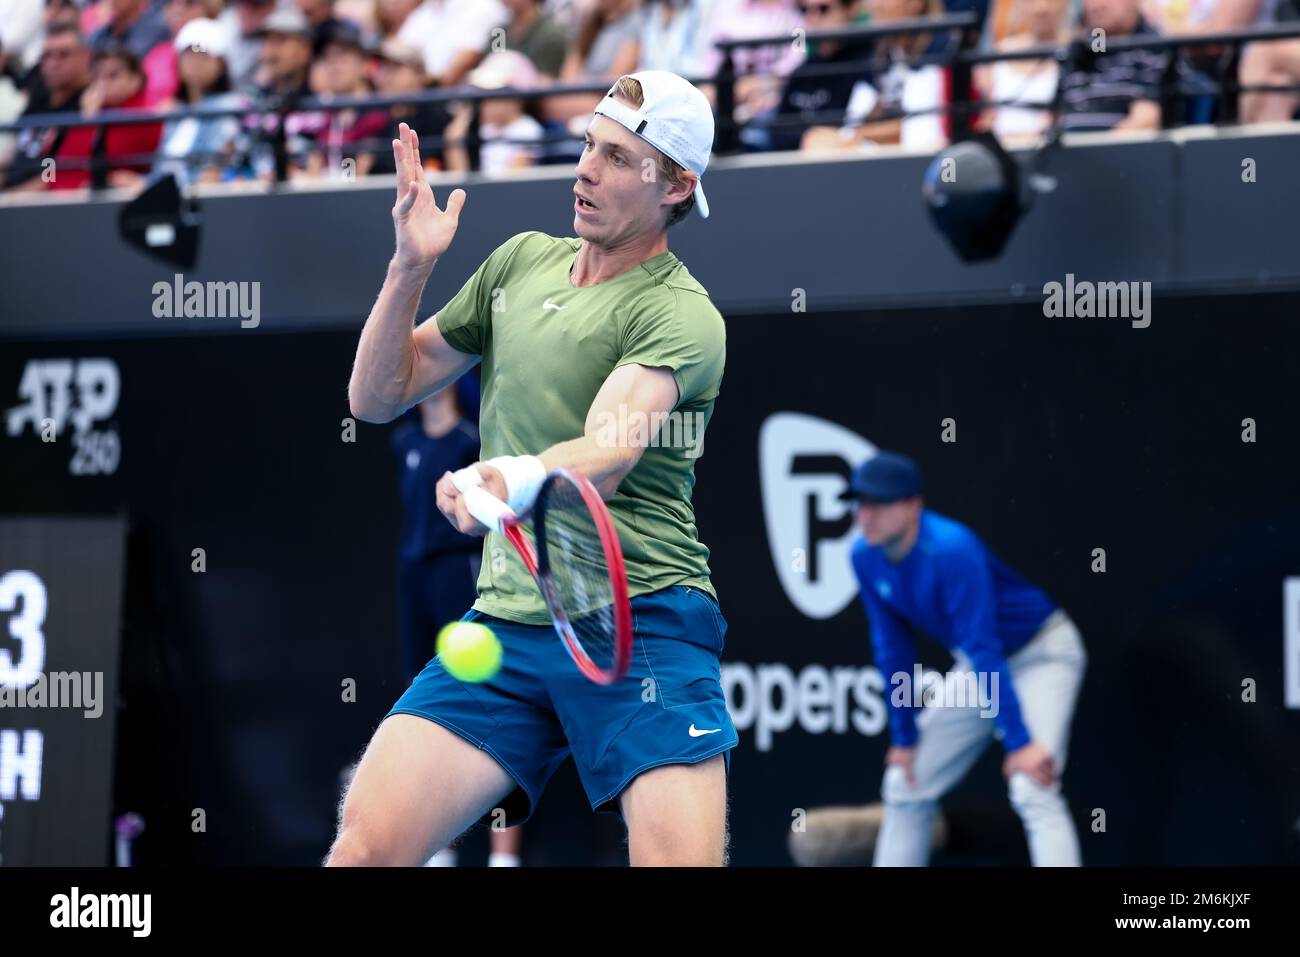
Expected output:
(551, 305)
(696, 732)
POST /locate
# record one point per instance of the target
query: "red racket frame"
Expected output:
(608, 534)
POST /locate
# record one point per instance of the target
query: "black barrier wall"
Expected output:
(1071, 435)
(1197, 210)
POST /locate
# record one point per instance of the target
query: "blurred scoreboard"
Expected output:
(61, 585)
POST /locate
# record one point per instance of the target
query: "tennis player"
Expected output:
(583, 341)
(918, 569)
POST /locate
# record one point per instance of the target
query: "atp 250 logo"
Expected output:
(79, 392)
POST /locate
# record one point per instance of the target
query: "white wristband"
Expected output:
(523, 475)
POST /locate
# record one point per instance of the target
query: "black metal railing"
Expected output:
(961, 58)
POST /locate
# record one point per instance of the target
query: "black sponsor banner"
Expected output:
(60, 605)
(262, 569)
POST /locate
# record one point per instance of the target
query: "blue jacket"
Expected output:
(953, 588)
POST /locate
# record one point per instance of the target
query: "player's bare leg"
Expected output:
(418, 787)
(677, 815)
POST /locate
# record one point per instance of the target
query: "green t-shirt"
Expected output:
(547, 348)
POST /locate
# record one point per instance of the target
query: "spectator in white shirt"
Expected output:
(672, 36)
(505, 127)
(1043, 23)
(21, 32)
(454, 34)
(896, 87)
(389, 17)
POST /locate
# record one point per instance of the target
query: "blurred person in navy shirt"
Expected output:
(438, 565)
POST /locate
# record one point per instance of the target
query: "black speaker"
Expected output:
(162, 223)
(972, 190)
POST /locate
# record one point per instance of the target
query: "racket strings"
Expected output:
(579, 576)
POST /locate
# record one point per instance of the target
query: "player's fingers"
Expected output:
(399, 166)
(404, 152)
(467, 523)
(446, 494)
(446, 489)
(406, 200)
(455, 203)
(413, 151)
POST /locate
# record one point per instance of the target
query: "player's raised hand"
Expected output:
(423, 230)
(1032, 759)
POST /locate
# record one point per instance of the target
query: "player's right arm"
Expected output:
(398, 365)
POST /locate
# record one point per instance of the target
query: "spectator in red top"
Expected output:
(94, 16)
(116, 83)
(65, 71)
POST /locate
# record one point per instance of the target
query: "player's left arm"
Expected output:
(611, 445)
(609, 448)
(672, 348)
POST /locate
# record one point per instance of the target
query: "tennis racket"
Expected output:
(577, 564)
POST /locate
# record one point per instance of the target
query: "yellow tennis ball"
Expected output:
(469, 651)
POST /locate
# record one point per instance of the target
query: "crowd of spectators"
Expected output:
(262, 58)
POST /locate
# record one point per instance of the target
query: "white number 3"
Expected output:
(25, 627)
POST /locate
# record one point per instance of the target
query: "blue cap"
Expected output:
(885, 477)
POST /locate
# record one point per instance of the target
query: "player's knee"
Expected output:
(679, 850)
(360, 844)
(1032, 800)
(677, 841)
(352, 849)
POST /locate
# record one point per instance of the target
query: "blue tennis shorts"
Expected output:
(539, 708)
